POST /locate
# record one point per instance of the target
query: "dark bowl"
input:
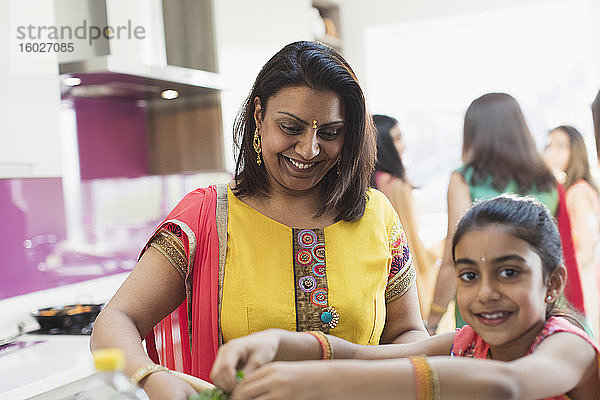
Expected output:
(73, 316)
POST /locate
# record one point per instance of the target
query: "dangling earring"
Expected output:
(256, 145)
(548, 298)
(339, 166)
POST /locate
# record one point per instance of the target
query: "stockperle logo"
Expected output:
(83, 31)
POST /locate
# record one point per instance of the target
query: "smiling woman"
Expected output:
(296, 241)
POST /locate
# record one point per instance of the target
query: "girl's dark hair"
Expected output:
(498, 140)
(388, 159)
(578, 166)
(596, 118)
(528, 220)
(320, 68)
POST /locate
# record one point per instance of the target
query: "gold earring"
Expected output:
(256, 145)
(339, 167)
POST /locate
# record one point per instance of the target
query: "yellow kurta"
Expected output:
(260, 286)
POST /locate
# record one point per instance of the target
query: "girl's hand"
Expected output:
(163, 385)
(304, 380)
(247, 354)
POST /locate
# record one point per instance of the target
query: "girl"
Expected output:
(566, 154)
(518, 344)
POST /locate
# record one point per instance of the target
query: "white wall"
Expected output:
(357, 15)
(247, 34)
(29, 132)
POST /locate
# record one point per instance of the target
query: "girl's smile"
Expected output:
(500, 289)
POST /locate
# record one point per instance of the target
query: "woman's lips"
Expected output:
(300, 166)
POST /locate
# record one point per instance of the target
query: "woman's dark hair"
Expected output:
(578, 166)
(528, 220)
(596, 118)
(320, 68)
(500, 145)
(388, 159)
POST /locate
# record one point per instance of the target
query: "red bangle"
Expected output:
(326, 352)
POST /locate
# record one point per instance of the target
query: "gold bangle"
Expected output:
(437, 309)
(145, 371)
(427, 381)
(326, 351)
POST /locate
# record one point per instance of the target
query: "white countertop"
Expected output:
(35, 364)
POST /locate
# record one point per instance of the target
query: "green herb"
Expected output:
(212, 394)
(239, 375)
(216, 393)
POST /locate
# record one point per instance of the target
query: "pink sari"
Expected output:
(188, 338)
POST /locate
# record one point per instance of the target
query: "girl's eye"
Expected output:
(290, 128)
(509, 273)
(468, 276)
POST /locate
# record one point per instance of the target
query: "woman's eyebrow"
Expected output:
(306, 123)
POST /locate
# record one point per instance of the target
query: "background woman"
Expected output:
(302, 245)
(499, 156)
(567, 156)
(390, 178)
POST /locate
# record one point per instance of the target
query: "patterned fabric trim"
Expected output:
(190, 235)
(171, 247)
(400, 285)
(221, 218)
(402, 274)
(310, 280)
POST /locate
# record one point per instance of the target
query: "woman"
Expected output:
(308, 246)
(567, 156)
(596, 118)
(390, 178)
(499, 156)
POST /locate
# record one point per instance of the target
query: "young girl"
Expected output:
(518, 344)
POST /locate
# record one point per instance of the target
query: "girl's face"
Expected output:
(396, 135)
(302, 134)
(500, 289)
(558, 150)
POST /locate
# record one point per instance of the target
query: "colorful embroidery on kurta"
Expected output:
(312, 304)
(402, 274)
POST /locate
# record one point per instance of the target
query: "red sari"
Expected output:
(172, 342)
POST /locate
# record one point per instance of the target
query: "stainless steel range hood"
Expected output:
(176, 51)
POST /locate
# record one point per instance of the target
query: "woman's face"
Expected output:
(302, 135)
(558, 150)
(396, 135)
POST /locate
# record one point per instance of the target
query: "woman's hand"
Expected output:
(247, 354)
(163, 385)
(306, 380)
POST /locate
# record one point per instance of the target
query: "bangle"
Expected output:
(145, 371)
(326, 351)
(427, 380)
(437, 309)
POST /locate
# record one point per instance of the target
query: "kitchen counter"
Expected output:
(35, 364)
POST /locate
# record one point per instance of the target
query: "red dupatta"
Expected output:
(169, 343)
(573, 291)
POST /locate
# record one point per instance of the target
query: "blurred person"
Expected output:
(499, 156)
(596, 118)
(390, 178)
(566, 154)
(296, 241)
